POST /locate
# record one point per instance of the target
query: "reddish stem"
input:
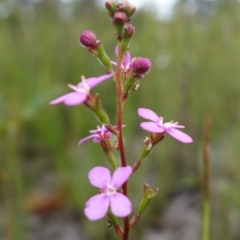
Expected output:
(119, 126)
(118, 230)
(206, 160)
(136, 165)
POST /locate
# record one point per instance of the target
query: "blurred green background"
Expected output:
(195, 74)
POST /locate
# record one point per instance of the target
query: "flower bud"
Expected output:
(126, 7)
(88, 39)
(111, 6)
(129, 9)
(129, 30)
(139, 66)
(120, 18)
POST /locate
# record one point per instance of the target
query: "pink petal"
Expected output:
(86, 139)
(148, 114)
(99, 176)
(120, 176)
(120, 205)
(71, 99)
(99, 130)
(126, 60)
(180, 136)
(92, 82)
(96, 207)
(172, 125)
(151, 127)
(97, 139)
(113, 63)
(80, 85)
(116, 50)
(60, 99)
(75, 98)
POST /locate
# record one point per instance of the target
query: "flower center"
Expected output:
(103, 133)
(110, 189)
(170, 124)
(83, 87)
(160, 123)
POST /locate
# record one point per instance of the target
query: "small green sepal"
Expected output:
(94, 103)
(148, 194)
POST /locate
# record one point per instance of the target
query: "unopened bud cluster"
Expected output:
(121, 7)
(121, 14)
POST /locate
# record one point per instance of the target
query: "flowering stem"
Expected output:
(119, 126)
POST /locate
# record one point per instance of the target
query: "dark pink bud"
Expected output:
(129, 30)
(88, 39)
(140, 65)
(120, 18)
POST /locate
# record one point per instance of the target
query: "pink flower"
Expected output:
(157, 125)
(97, 206)
(137, 66)
(97, 135)
(81, 90)
(125, 62)
(101, 133)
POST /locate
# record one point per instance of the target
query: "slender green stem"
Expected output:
(14, 184)
(206, 181)
(119, 125)
(206, 221)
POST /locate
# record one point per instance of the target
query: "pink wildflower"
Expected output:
(97, 206)
(138, 66)
(101, 133)
(81, 90)
(98, 135)
(125, 62)
(157, 126)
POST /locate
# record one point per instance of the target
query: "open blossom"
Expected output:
(138, 66)
(81, 91)
(98, 135)
(157, 126)
(125, 65)
(101, 133)
(97, 206)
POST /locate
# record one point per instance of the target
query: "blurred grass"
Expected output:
(195, 73)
